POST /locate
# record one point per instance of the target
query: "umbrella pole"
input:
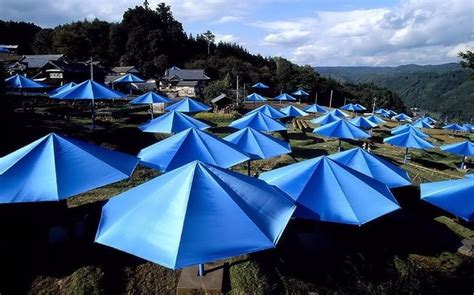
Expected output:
(339, 146)
(151, 110)
(201, 271)
(462, 163)
(406, 156)
(248, 167)
(93, 115)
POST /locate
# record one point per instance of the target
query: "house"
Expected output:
(31, 64)
(60, 72)
(187, 82)
(120, 71)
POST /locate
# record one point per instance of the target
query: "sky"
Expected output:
(314, 32)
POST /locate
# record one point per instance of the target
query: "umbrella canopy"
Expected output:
(314, 108)
(291, 111)
(362, 122)
(151, 97)
(22, 82)
(62, 88)
(54, 168)
(385, 114)
(380, 111)
(255, 97)
(195, 214)
(361, 107)
(269, 111)
(258, 121)
(260, 85)
(89, 90)
(172, 122)
(188, 105)
(455, 127)
(285, 96)
(408, 140)
(429, 120)
(373, 166)
(392, 113)
(469, 127)
(129, 78)
(190, 145)
(454, 196)
(408, 128)
(465, 148)
(300, 92)
(402, 117)
(258, 145)
(339, 113)
(375, 119)
(325, 119)
(341, 129)
(328, 191)
(420, 123)
(351, 107)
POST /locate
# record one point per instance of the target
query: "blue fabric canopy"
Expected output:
(420, 123)
(150, 97)
(385, 114)
(454, 127)
(62, 88)
(465, 148)
(54, 168)
(429, 120)
(314, 108)
(325, 119)
(285, 96)
(260, 85)
(341, 129)
(129, 78)
(258, 145)
(22, 82)
(190, 145)
(195, 214)
(328, 191)
(373, 166)
(89, 90)
(454, 196)
(380, 111)
(402, 117)
(362, 122)
(339, 113)
(291, 111)
(351, 107)
(172, 122)
(188, 105)
(255, 97)
(469, 127)
(393, 113)
(269, 111)
(408, 140)
(258, 121)
(408, 128)
(375, 119)
(300, 92)
(361, 107)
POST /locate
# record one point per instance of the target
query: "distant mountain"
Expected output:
(446, 89)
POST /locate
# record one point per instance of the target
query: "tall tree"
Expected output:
(210, 38)
(467, 59)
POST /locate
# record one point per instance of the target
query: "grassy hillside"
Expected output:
(444, 89)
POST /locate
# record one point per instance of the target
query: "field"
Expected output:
(413, 250)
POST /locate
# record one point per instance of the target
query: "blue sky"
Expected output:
(315, 32)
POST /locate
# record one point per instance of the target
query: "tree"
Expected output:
(210, 38)
(43, 42)
(467, 59)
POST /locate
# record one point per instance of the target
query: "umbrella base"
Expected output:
(210, 283)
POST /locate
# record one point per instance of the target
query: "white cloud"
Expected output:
(228, 19)
(226, 38)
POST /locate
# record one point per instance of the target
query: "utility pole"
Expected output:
(316, 99)
(373, 106)
(238, 101)
(330, 99)
(92, 71)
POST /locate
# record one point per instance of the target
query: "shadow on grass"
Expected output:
(307, 153)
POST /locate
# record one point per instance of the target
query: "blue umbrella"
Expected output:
(255, 97)
(258, 145)
(300, 92)
(285, 97)
(375, 119)
(22, 82)
(4, 50)
(465, 148)
(314, 108)
(172, 122)
(385, 114)
(188, 105)
(328, 191)
(190, 145)
(351, 107)
(454, 196)
(195, 214)
(54, 168)
(291, 111)
(373, 166)
(420, 123)
(361, 107)
(341, 129)
(62, 88)
(429, 120)
(392, 113)
(151, 98)
(469, 175)
(325, 119)
(408, 140)
(469, 127)
(362, 122)
(402, 117)
(260, 86)
(269, 111)
(128, 78)
(380, 111)
(455, 127)
(408, 128)
(339, 113)
(89, 90)
(258, 121)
